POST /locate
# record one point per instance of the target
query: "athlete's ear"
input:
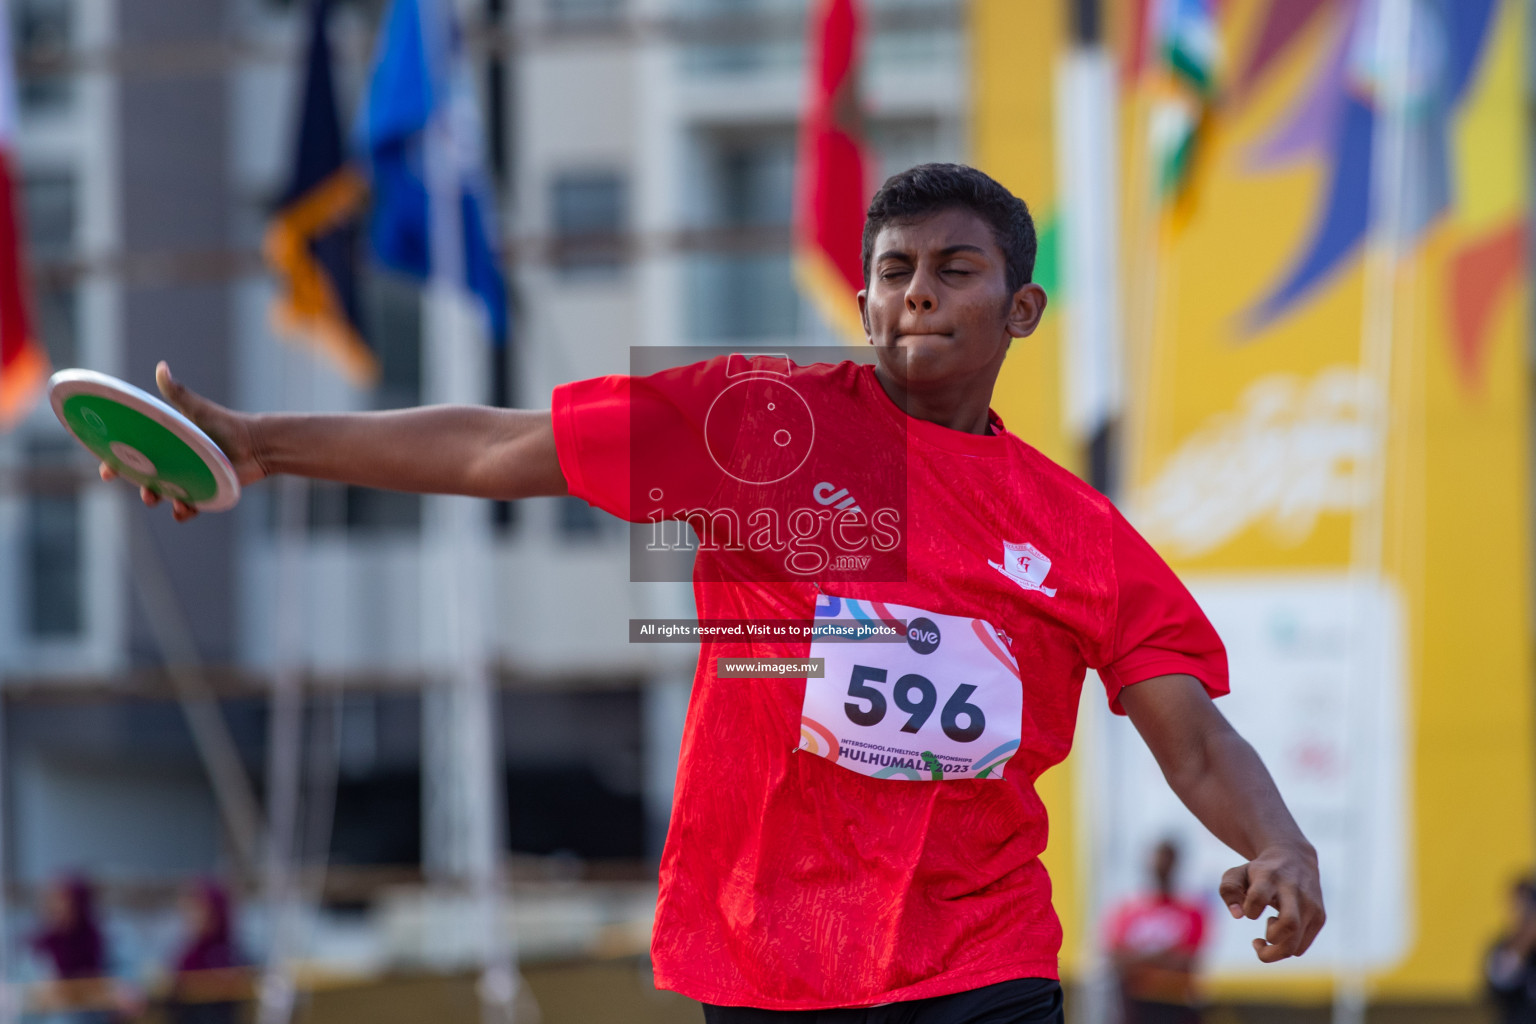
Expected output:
(1025, 310)
(869, 335)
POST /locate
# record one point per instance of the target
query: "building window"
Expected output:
(743, 288)
(584, 12)
(580, 521)
(391, 315)
(589, 218)
(753, 180)
(49, 215)
(334, 507)
(54, 313)
(48, 199)
(40, 36)
(394, 324)
(899, 145)
(741, 297)
(53, 550)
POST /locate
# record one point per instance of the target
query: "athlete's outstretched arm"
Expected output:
(1222, 781)
(442, 449)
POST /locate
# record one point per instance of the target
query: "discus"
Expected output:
(144, 439)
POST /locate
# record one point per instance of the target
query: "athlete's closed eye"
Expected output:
(962, 264)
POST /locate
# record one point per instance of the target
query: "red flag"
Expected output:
(23, 364)
(831, 187)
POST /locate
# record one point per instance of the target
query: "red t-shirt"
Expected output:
(796, 881)
(1147, 927)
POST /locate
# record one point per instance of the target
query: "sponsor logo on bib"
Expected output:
(923, 635)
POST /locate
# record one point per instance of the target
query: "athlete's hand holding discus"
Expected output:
(1220, 778)
(471, 450)
(228, 429)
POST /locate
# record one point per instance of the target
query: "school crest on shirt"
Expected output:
(1027, 566)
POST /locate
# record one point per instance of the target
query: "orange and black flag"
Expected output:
(831, 181)
(313, 242)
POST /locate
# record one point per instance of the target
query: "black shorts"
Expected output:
(1023, 1001)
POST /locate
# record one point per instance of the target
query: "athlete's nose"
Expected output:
(919, 304)
(922, 297)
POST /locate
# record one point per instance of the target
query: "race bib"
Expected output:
(947, 704)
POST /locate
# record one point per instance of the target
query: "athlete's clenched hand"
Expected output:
(1285, 878)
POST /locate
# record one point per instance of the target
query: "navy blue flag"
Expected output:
(419, 74)
(312, 243)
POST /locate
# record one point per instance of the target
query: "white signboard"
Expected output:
(1319, 689)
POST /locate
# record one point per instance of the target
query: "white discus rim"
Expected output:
(66, 384)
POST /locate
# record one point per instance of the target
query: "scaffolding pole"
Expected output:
(462, 805)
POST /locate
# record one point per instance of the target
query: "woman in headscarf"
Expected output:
(70, 938)
(210, 980)
(71, 942)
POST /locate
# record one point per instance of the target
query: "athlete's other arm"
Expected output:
(1222, 781)
(441, 449)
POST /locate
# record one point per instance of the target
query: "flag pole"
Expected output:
(1091, 367)
(466, 710)
(10, 994)
(1086, 166)
(276, 994)
(1393, 44)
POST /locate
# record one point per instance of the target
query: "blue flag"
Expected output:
(419, 73)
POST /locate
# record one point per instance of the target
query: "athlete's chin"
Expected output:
(924, 358)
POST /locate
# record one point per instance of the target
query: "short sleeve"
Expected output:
(659, 446)
(1158, 628)
(591, 422)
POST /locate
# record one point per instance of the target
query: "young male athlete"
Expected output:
(868, 838)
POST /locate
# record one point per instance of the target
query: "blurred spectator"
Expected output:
(71, 942)
(1511, 964)
(1154, 941)
(209, 980)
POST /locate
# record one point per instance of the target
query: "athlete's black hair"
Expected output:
(931, 188)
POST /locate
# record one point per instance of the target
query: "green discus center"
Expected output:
(140, 448)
